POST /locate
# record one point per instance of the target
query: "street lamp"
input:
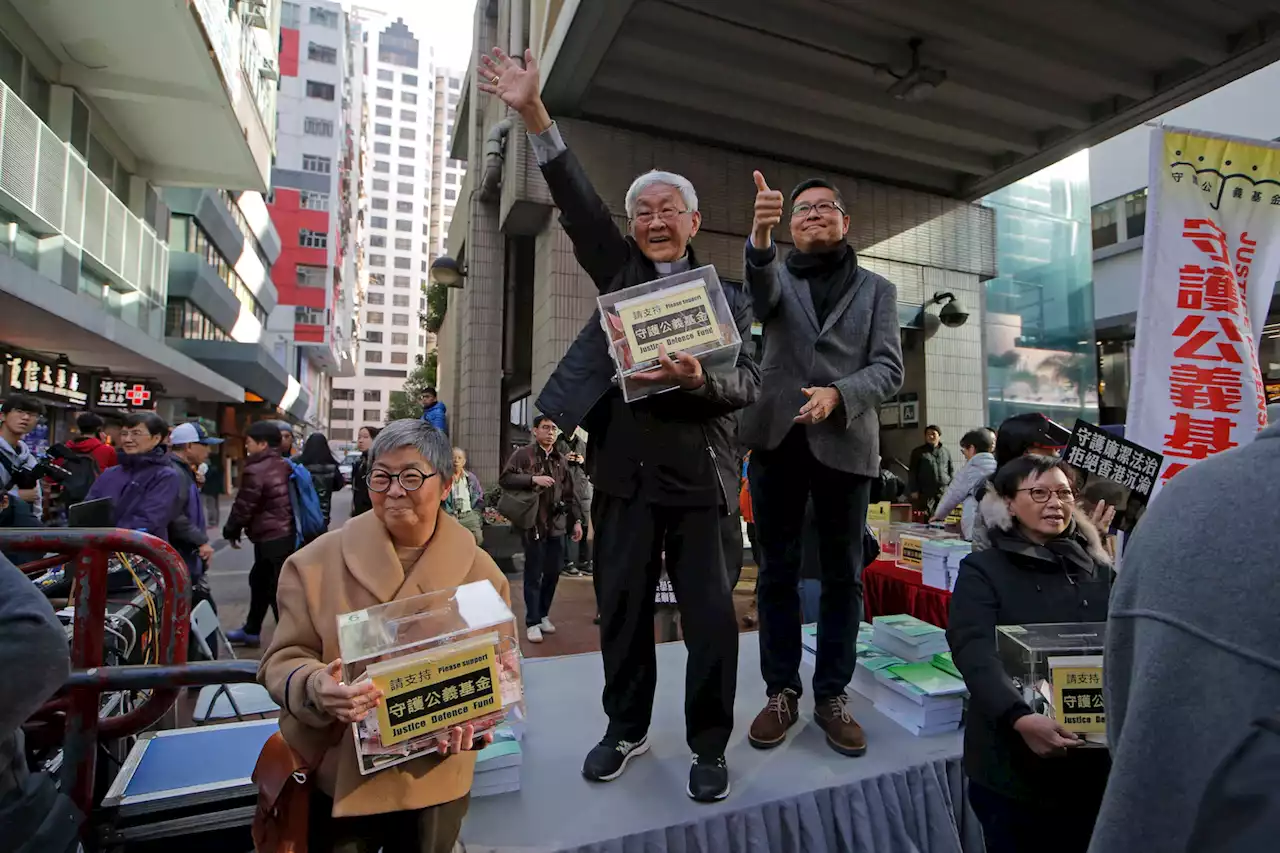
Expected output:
(447, 271)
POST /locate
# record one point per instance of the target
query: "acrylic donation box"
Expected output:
(442, 660)
(686, 312)
(1058, 669)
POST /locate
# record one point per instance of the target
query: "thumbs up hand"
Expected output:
(768, 213)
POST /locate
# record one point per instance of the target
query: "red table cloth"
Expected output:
(887, 589)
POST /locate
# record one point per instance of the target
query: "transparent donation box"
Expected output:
(685, 312)
(442, 660)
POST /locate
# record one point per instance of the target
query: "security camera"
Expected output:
(952, 315)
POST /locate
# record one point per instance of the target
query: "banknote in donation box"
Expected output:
(686, 312)
(442, 660)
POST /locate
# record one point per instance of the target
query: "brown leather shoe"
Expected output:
(769, 728)
(844, 735)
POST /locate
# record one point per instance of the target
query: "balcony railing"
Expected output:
(57, 194)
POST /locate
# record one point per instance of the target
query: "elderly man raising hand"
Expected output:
(663, 467)
(832, 354)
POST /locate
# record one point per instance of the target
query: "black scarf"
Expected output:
(829, 274)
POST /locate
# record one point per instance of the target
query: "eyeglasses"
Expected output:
(824, 208)
(410, 479)
(135, 433)
(1041, 495)
(667, 214)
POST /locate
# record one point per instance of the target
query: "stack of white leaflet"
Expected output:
(498, 764)
(907, 637)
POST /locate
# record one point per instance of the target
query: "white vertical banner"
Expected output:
(1210, 258)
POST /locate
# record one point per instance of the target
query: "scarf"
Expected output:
(829, 273)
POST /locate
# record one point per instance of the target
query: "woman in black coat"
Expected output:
(1033, 784)
(360, 500)
(318, 459)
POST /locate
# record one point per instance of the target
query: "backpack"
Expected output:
(308, 518)
(84, 471)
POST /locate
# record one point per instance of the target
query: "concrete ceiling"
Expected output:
(1019, 85)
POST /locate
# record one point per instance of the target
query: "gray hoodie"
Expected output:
(1192, 653)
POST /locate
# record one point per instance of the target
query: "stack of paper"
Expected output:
(498, 764)
(940, 562)
(922, 699)
(871, 660)
(909, 638)
(944, 662)
(959, 550)
(809, 641)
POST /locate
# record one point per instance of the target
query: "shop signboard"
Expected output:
(45, 379)
(1211, 254)
(110, 392)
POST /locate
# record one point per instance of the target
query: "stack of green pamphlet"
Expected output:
(920, 697)
(943, 662)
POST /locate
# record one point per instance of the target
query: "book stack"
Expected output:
(909, 638)
(940, 562)
(498, 764)
(809, 644)
(871, 660)
(921, 698)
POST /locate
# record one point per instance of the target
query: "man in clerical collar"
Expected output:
(664, 468)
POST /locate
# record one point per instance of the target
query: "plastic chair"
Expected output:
(218, 702)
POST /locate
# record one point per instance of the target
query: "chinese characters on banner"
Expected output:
(1211, 255)
(112, 393)
(1132, 470)
(1081, 707)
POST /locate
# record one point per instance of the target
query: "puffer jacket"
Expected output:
(1017, 582)
(263, 507)
(676, 448)
(145, 490)
(327, 480)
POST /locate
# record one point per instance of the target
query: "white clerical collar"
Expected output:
(673, 267)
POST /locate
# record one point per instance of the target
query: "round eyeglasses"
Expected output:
(410, 479)
(1041, 495)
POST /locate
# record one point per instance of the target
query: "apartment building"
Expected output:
(311, 328)
(410, 186)
(106, 104)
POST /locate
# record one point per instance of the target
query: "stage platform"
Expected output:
(904, 796)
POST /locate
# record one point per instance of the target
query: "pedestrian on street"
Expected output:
(318, 459)
(465, 500)
(978, 447)
(577, 556)
(434, 411)
(539, 467)
(189, 448)
(360, 501)
(663, 468)
(931, 471)
(93, 440)
(263, 509)
(19, 415)
(832, 355)
(145, 489)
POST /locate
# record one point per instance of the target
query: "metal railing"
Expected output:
(53, 185)
(87, 551)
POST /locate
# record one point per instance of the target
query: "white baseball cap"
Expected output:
(191, 433)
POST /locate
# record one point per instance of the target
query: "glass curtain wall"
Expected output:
(1039, 320)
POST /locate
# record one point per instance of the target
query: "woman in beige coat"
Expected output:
(407, 546)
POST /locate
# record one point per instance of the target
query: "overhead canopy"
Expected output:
(960, 97)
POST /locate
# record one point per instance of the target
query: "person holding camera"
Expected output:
(541, 469)
(19, 467)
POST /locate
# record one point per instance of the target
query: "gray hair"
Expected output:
(419, 435)
(668, 179)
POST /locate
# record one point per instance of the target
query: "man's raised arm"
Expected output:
(599, 245)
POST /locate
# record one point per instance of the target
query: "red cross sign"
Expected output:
(137, 395)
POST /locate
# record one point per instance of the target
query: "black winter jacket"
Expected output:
(327, 479)
(263, 506)
(1016, 582)
(360, 500)
(677, 448)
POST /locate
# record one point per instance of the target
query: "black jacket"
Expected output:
(360, 500)
(1016, 582)
(327, 480)
(676, 448)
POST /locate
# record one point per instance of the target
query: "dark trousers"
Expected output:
(542, 563)
(1013, 826)
(430, 830)
(578, 553)
(268, 559)
(782, 481)
(631, 539)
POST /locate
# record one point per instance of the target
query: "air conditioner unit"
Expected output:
(255, 13)
(269, 69)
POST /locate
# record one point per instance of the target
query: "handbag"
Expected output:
(519, 507)
(284, 784)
